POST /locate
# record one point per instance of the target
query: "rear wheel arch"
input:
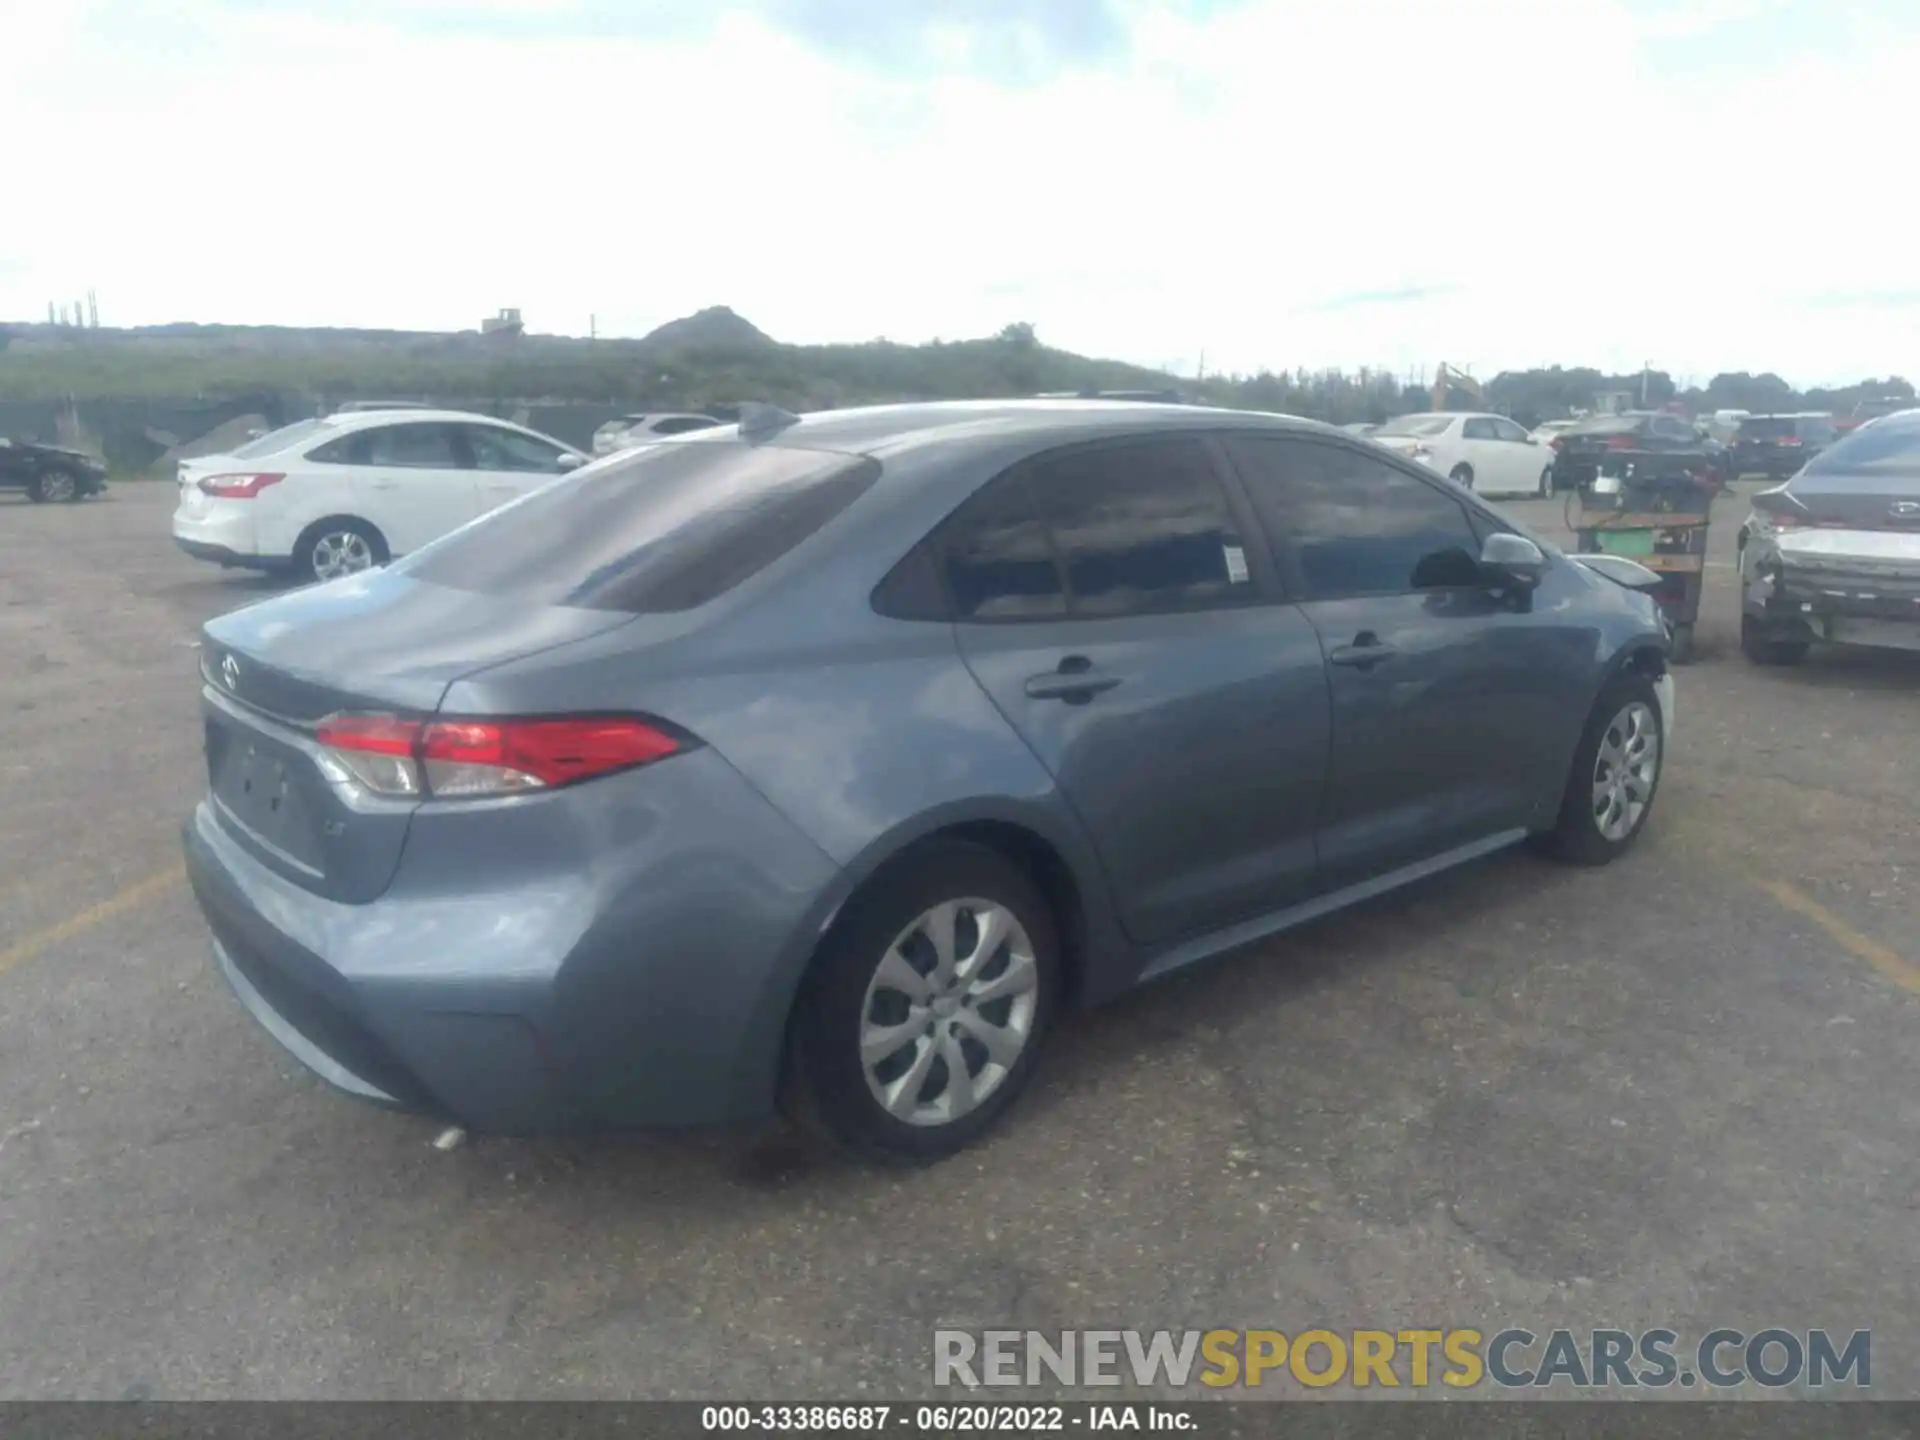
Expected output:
(1037, 857)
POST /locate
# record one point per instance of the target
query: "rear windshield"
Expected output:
(1606, 425)
(275, 441)
(1766, 427)
(1416, 425)
(1890, 449)
(663, 528)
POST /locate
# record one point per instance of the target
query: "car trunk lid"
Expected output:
(376, 643)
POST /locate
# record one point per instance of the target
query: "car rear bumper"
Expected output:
(222, 537)
(1845, 587)
(643, 982)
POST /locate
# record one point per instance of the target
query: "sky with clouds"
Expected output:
(1266, 183)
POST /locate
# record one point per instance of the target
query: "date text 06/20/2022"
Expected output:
(1510, 1358)
(945, 1418)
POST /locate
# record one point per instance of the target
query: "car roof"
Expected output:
(891, 428)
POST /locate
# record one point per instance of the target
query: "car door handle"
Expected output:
(1076, 682)
(1366, 651)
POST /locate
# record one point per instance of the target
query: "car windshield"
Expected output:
(275, 441)
(1416, 425)
(655, 529)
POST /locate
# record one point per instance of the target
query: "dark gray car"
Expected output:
(1833, 555)
(832, 759)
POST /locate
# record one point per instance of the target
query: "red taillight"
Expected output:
(1555, 442)
(237, 487)
(1623, 442)
(394, 756)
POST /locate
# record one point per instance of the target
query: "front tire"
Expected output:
(924, 1013)
(1615, 776)
(1462, 475)
(54, 485)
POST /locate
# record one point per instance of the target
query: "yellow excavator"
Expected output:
(1447, 378)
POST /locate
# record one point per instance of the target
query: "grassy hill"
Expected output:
(711, 358)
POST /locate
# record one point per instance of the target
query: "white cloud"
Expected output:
(1566, 187)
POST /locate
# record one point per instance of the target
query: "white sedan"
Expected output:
(1486, 453)
(638, 429)
(325, 498)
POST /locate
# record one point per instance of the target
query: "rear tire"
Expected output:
(1546, 483)
(878, 1031)
(329, 549)
(1764, 649)
(1615, 777)
(1462, 475)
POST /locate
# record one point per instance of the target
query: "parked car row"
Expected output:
(614, 808)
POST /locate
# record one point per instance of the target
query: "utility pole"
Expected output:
(93, 310)
(593, 327)
(1203, 364)
(1646, 368)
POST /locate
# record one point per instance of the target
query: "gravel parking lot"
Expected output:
(1683, 1091)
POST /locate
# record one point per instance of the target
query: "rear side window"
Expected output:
(681, 424)
(410, 447)
(999, 558)
(1355, 525)
(661, 529)
(1479, 430)
(274, 441)
(1141, 527)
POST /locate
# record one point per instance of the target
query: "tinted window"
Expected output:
(497, 449)
(1356, 525)
(680, 424)
(1479, 430)
(1415, 425)
(665, 528)
(998, 558)
(1816, 432)
(1765, 428)
(1507, 430)
(347, 450)
(1890, 449)
(275, 441)
(1143, 526)
(409, 447)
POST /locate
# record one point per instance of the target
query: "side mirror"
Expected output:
(1512, 560)
(570, 461)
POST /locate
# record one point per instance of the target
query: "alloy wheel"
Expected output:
(341, 552)
(57, 485)
(1625, 769)
(949, 1012)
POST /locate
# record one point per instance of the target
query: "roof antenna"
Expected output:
(760, 422)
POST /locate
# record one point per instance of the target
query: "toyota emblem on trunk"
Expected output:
(1906, 507)
(230, 672)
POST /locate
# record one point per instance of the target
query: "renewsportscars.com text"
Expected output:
(1459, 1359)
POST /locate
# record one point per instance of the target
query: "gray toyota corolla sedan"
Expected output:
(828, 760)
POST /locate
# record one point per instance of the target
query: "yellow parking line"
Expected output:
(1896, 967)
(25, 949)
